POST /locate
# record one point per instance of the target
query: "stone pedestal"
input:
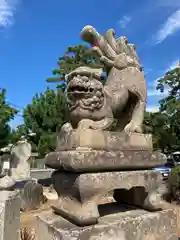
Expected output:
(116, 223)
(96, 151)
(9, 215)
(90, 160)
(88, 164)
(107, 140)
(79, 194)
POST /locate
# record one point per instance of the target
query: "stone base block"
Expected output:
(79, 194)
(87, 150)
(115, 223)
(90, 160)
(9, 215)
(106, 140)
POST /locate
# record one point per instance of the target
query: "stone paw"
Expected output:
(131, 127)
(85, 124)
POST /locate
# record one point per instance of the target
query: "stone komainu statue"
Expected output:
(122, 98)
(91, 163)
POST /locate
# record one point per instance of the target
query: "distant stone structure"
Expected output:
(4, 159)
(19, 154)
(19, 176)
(9, 205)
(91, 160)
(19, 160)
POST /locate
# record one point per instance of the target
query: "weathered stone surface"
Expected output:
(6, 183)
(41, 173)
(90, 159)
(19, 165)
(174, 237)
(9, 215)
(87, 160)
(115, 223)
(31, 196)
(140, 197)
(124, 95)
(103, 140)
(78, 194)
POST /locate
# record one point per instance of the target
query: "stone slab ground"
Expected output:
(115, 223)
(28, 219)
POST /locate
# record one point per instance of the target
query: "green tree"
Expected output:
(7, 113)
(17, 133)
(75, 56)
(165, 124)
(45, 116)
(158, 123)
(170, 105)
(20, 131)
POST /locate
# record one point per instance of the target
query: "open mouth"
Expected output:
(80, 89)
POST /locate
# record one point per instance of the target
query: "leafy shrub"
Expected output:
(174, 177)
(174, 183)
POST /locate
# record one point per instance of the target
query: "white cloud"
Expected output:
(171, 26)
(124, 21)
(7, 11)
(152, 108)
(172, 65)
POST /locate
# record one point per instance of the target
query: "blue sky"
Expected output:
(34, 33)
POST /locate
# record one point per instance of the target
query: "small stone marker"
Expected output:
(19, 165)
(31, 196)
